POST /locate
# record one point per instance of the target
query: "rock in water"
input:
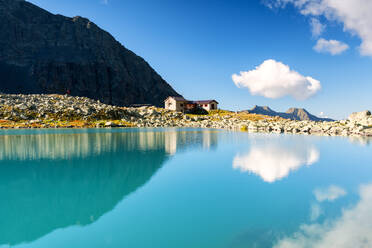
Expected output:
(45, 53)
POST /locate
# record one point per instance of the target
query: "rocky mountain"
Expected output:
(45, 53)
(292, 113)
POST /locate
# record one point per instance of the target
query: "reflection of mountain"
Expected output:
(67, 145)
(274, 161)
(58, 180)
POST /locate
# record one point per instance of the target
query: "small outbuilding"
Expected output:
(207, 104)
(177, 103)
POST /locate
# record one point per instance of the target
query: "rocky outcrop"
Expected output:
(45, 111)
(364, 118)
(57, 107)
(299, 114)
(45, 53)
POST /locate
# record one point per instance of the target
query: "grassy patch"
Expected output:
(50, 123)
(251, 117)
(220, 112)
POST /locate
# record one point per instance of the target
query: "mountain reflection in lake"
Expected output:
(65, 145)
(145, 188)
(79, 176)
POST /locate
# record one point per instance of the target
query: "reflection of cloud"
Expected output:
(352, 229)
(316, 212)
(329, 194)
(274, 162)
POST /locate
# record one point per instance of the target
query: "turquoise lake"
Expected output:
(184, 188)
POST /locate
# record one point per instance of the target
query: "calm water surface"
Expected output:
(184, 188)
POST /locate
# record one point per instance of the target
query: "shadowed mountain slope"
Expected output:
(45, 53)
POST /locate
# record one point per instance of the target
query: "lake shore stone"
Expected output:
(54, 111)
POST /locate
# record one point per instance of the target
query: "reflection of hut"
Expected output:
(171, 142)
(181, 104)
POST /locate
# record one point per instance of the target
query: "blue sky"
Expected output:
(197, 46)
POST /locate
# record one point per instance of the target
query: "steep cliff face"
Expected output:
(45, 53)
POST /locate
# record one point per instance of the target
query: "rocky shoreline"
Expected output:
(63, 111)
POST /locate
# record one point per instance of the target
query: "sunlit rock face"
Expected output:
(352, 229)
(273, 161)
(80, 176)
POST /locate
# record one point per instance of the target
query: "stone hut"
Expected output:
(177, 103)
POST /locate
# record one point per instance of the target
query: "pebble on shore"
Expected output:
(63, 111)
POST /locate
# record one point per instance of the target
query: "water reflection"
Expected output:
(51, 181)
(363, 141)
(178, 140)
(85, 144)
(330, 193)
(352, 229)
(273, 160)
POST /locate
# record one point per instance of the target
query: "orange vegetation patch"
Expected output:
(252, 117)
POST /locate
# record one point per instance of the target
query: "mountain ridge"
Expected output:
(292, 113)
(45, 53)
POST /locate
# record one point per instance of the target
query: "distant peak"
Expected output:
(297, 110)
(266, 108)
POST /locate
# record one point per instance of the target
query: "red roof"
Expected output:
(180, 98)
(205, 101)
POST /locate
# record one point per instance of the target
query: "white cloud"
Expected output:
(274, 79)
(333, 47)
(352, 229)
(275, 161)
(317, 28)
(329, 194)
(355, 15)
